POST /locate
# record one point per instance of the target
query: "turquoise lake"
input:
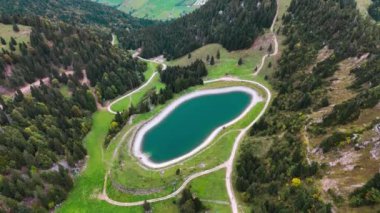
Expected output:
(187, 126)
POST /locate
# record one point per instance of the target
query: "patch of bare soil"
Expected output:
(352, 166)
(263, 42)
(322, 55)
(8, 70)
(343, 78)
(338, 91)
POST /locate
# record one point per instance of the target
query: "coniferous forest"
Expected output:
(55, 45)
(234, 24)
(42, 131)
(272, 181)
(36, 133)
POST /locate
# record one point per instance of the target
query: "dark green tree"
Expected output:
(212, 61)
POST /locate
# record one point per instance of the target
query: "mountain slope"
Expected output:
(324, 113)
(234, 24)
(81, 12)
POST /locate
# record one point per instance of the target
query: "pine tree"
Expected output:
(13, 41)
(240, 62)
(16, 28)
(218, 55)
(12, 47)
(212, 61)
(147, 207)
(2, 40)
(270, 48)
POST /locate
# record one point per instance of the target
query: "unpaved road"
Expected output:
(275, 52)
(228, 164)
(157, 60)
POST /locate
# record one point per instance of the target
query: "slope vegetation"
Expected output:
(313, 164)
(234, 24)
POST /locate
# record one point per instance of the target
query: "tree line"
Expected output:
(76, 12)
(234, 24)
(176, 80)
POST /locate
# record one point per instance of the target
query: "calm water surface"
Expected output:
(191, 123)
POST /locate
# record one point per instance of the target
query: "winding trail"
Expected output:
(228, 165)
(275, 52)
(164, 66)
(27, 87)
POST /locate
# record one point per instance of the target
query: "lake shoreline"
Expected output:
(137, 141)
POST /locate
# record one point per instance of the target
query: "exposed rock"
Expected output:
(375, 151)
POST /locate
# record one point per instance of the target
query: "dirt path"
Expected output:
(26, 88)
(158, 60)
(243, 132)
(228, 164)
(275, 52)
(109, 107)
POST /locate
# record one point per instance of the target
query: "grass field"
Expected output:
(6, 31)
(228, 62)
(153, 9)
(83, 198)
(211, 186)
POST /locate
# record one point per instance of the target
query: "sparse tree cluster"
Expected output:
(188, 203)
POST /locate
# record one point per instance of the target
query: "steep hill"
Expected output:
(234, 24)
(322, 122)
(82, 12)
(154, 9)
(56, 47)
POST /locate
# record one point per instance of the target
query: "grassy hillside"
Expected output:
(227, 64)
(234, 25)
(6, 32)
(80, 12)
(153, 9)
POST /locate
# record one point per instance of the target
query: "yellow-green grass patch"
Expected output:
(6, 31)
(211, 187)
(155, 9)
(228, 62)
(363, 6)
